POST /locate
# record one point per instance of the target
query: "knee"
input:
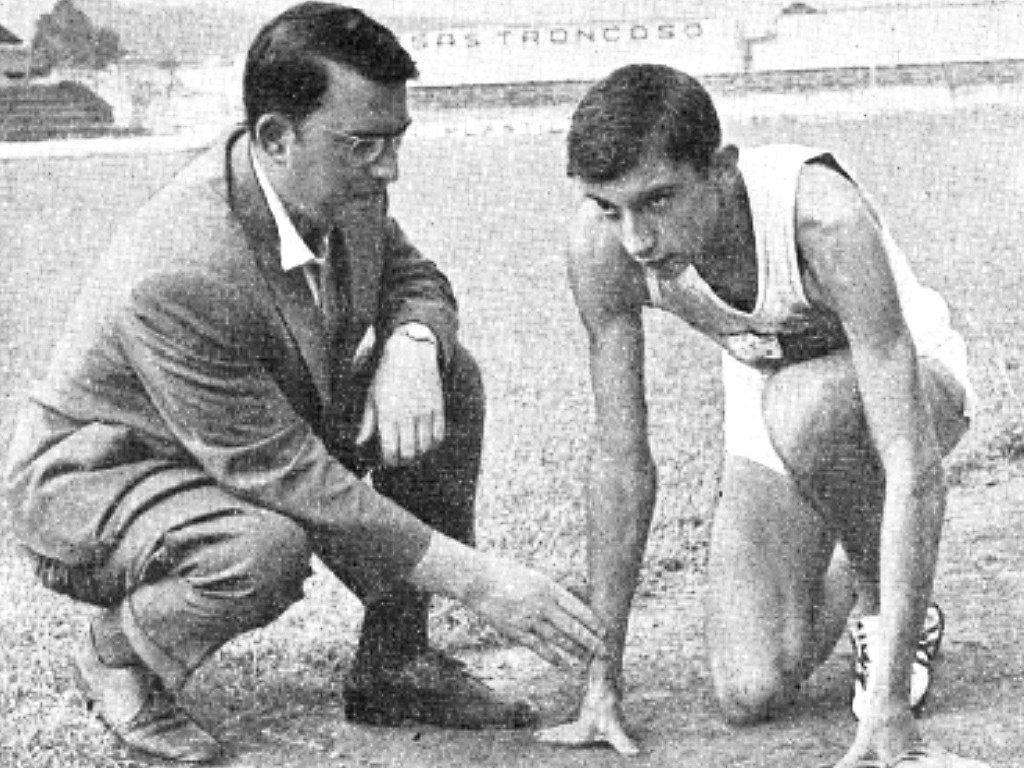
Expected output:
(264, 563)
(279, 550)
(751, 694)
(754, 681)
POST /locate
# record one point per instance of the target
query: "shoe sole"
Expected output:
(93, 708)
(360, 708)
(383, 710)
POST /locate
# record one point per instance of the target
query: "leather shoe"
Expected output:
(430, 688)
(159, 726)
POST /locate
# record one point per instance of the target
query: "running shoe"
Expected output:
(863, 633)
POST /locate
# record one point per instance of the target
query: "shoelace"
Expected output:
(913, 755)
(924, 653)
(928, 644)
(860, 641)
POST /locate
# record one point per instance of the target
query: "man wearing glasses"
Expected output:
(258, 339)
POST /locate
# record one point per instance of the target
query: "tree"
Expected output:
(108, 47)
(66, 37)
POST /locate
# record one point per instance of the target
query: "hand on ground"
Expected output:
(881, 738)
(895, 742)
(599, 722)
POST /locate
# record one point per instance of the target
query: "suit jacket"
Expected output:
(191, 358)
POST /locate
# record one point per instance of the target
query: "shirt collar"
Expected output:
(294, 251)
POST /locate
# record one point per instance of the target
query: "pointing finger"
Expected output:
(406, 448)
(564, 648)
(368, 424)
(579, 623)
(424, 434)
(538, 646)
(388, 434)
(439, 426)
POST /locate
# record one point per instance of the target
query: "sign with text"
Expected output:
(566, 52)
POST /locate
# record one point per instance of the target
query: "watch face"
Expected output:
(417, 333)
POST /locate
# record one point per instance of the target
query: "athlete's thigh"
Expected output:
(769, 553)
(946, 397)
(816, 423)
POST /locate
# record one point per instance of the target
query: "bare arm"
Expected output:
(621, 485)
(609, 293)
(841, 244)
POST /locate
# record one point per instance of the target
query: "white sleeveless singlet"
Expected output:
(784, 327)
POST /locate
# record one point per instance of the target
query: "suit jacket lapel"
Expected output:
(305, 323)
(289, 289)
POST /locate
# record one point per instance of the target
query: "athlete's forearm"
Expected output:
(911, 528)
(888, 375)
(621, 494)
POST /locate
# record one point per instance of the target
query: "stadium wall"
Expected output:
(893, 36)
(883, 36)
(922, 56)
(570, 52)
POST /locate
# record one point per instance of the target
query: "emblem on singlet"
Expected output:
(754, 348)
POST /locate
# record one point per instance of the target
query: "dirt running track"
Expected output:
(274, 698)
(977, 704)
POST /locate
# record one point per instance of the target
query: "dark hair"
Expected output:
(285, 69)
(637, 109)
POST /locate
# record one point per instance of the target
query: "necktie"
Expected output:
(333, 285)
(334, 303)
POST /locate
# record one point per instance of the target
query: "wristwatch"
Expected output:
(417, 332)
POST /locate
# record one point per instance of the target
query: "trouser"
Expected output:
(201, 567)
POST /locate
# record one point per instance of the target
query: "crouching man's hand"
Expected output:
(405, 402)
(521, 603)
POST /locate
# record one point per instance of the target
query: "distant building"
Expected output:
(15, 57)
(33, 110)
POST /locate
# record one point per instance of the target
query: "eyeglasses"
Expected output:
(366, 149)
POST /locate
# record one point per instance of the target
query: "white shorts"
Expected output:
(746, 434)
